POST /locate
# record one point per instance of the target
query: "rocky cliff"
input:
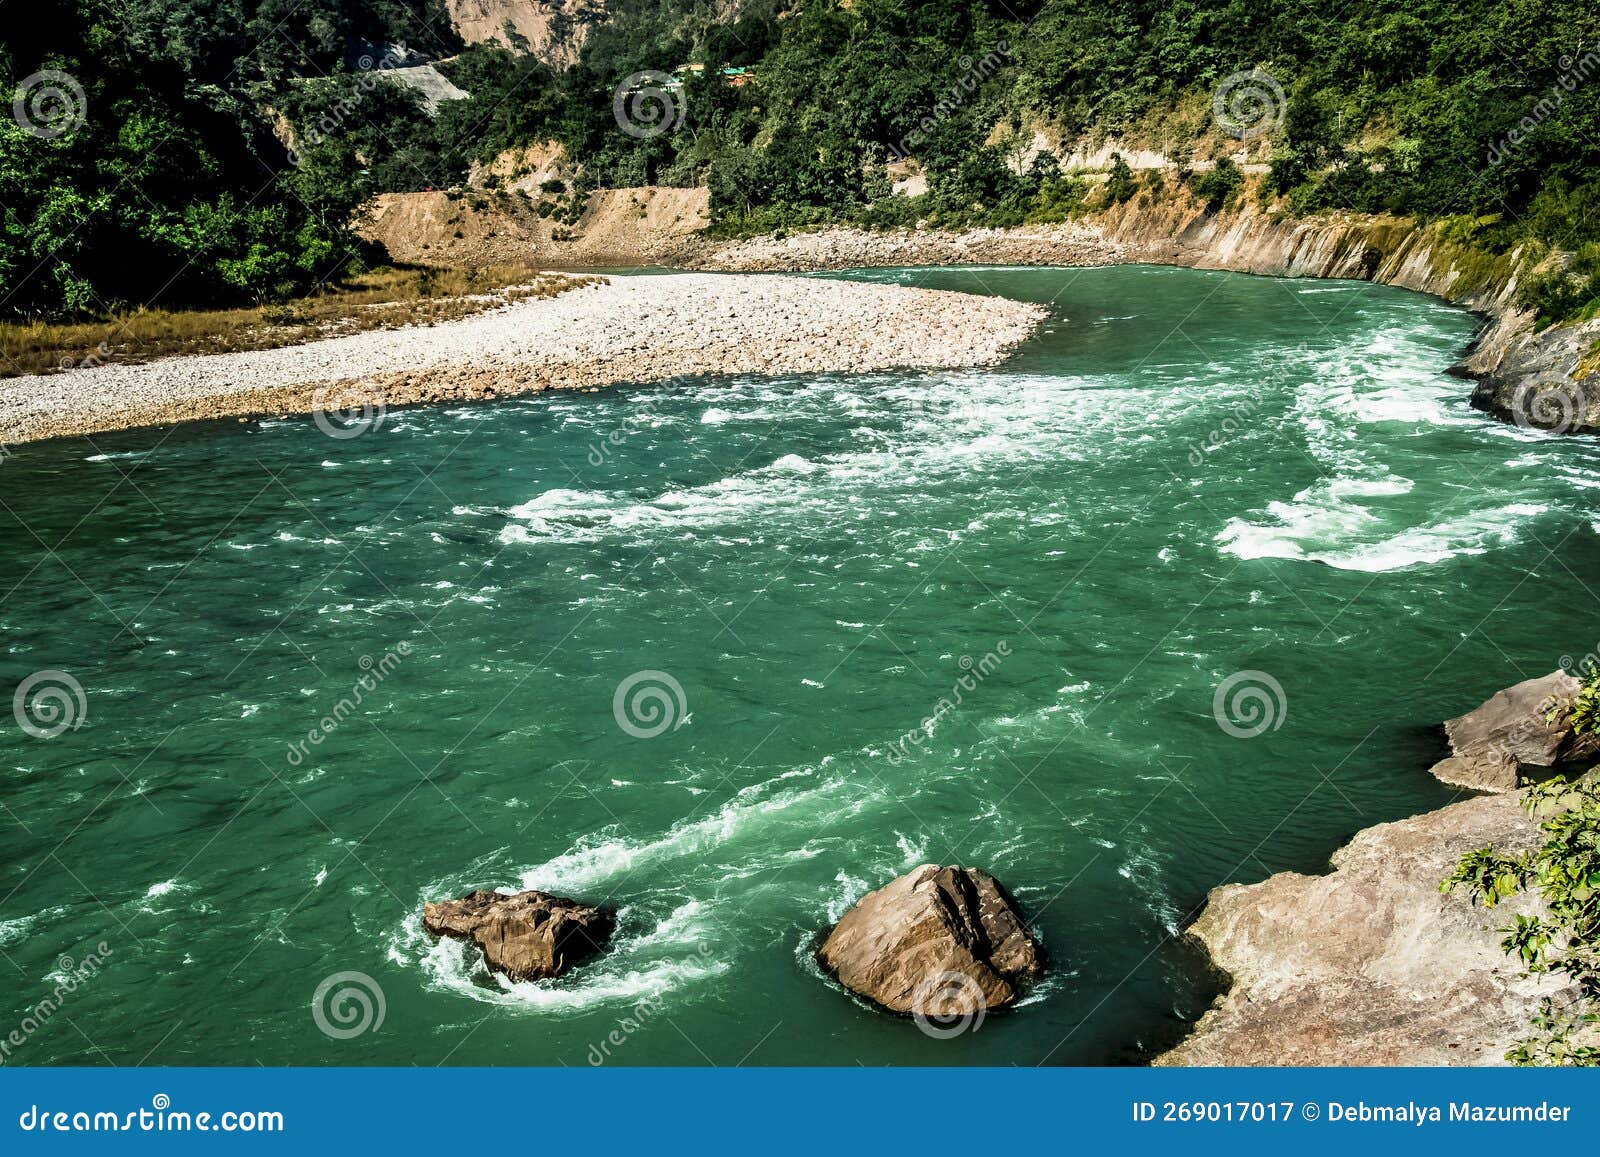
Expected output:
(1548, 380)
(1538, 379)
(552, 30)
(1371, 964)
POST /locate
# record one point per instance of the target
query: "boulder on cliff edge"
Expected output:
(1497, 745)
(936, 942)
(528, 935)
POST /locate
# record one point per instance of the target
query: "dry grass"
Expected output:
(382, 299)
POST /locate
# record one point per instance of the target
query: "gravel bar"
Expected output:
(628, 329)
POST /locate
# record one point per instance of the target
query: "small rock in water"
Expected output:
(1496, 746)
(935, 942)
(527, 936)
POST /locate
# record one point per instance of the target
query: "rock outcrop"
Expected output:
(936, 942)
(526, 936)
(1371, 965)
(1547, 381)
(551, 30)
(1509, 738)
(618, 227)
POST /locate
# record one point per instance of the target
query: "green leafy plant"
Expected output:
(1120, 185)
(1216, 186)
(1585, 708)
(1565, 938)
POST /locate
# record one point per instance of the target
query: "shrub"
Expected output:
(1565, 872)
(1217, 186)
(1120, 185)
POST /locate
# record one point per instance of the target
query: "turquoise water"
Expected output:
(1185, 476)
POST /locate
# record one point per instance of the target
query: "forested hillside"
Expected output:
(1483, 111)
(139, 162)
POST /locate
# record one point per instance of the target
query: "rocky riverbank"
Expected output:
(1371, 964)
(1547, 379)
(1069, 244)
(635, 329)
(1537, 379)
(1541, 379)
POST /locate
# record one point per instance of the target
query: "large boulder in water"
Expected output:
(1495, 746)
(936, 942)
(528, 935)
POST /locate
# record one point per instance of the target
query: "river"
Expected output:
(726, 654)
